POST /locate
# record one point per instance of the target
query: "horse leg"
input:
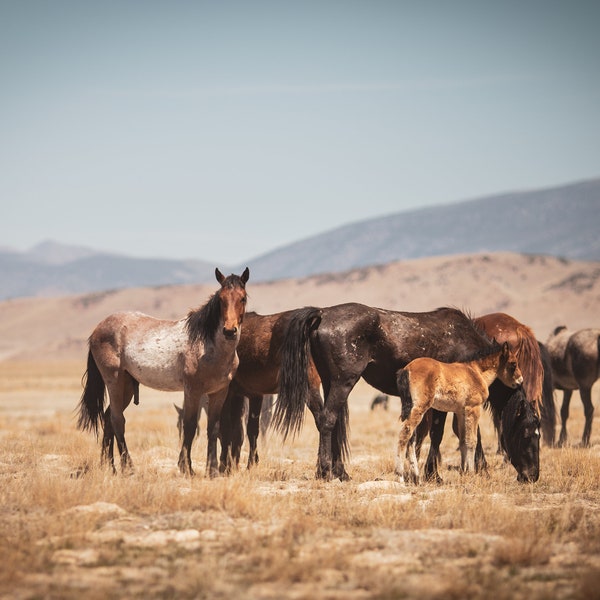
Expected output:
(215, 408)
(481, 465)
(469, 433)
(336, 400)
(108, 442)
(407, 441)
(231, 431)
(191, 406)
(338, 438)
(123, 390)
(436, 433)
(564, 416)
(588, 411)
(253, 428)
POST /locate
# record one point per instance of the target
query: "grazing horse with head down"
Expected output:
(196, 354)
(520, 437)
(350, 341)
(575, 359)
(458, 387)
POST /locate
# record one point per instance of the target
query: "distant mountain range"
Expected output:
(562, 221)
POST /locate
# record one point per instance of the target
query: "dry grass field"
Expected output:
(70, 529)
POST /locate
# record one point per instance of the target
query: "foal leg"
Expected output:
(588, 411)
(564, 416)
(469, 431)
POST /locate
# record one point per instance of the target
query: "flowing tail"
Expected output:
(293, 377)
(91, 406)
(404, 392)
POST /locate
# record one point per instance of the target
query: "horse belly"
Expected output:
(157, 363)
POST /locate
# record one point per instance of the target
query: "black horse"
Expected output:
(350, 341)
(521, 437)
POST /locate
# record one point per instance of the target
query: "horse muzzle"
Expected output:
(230, 334)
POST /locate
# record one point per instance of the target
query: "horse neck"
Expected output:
(488, 367)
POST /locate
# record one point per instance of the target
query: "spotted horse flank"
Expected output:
(458, 387)
(196, 354)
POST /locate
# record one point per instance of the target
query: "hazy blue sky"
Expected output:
(221, 130)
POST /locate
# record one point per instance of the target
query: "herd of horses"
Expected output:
(437, 362)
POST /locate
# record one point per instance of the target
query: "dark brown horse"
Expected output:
(521, 339)
(196, 354)
(257, 375)
(575, 359)
(350, 341)
(458, 387)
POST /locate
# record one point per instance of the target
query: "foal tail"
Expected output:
(293, 376)
(404, 392)
(91, 406)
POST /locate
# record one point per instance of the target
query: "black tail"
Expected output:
(293, 377)
(548, 409)
(405, 395)
(91, 406)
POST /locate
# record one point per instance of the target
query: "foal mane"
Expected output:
(202, 323)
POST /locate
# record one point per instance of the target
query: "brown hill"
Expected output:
(541, 291)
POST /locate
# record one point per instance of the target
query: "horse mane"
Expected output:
(202, 323)
(493, 348)
(530, 362)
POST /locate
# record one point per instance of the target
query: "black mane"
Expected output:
(202, 323)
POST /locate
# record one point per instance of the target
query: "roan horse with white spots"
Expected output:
(458, 387)
(196, 354)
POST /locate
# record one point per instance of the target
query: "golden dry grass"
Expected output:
(276, 532)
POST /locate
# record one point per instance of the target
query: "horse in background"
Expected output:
(575, 360)
(196, 354)
(382, 400)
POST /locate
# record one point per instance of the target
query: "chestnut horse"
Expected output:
(575, 359)
(459, 387)
(350, 341)
(196, 354)
(522, 340)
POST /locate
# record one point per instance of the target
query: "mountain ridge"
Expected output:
(559, 221)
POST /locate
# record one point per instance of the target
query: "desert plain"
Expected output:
(71, 529)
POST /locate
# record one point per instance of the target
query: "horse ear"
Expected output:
(220, 277)
(505, 349)
(245, 275)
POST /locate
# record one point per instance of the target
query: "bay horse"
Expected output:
(196, 354)
(350, 341)
(257, 376)
(458, 387)
(575, 359)
(521, 339)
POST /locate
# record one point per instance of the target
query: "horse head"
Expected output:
(509, 372)
(232, 299)
(521, 437)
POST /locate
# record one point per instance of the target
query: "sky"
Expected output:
(222, 130)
